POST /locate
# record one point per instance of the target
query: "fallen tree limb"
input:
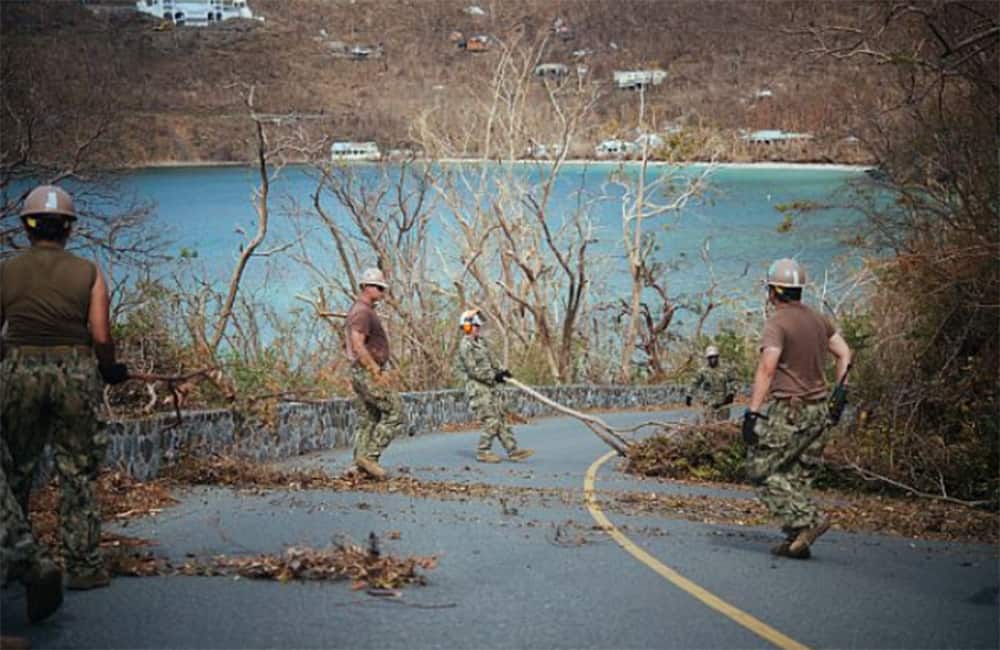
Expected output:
(175, 383)
(151, 377)
(601, 429)
(725, 426)
(870, 476)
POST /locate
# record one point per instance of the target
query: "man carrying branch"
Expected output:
(379, 406)
(482, 377)
(783, 446)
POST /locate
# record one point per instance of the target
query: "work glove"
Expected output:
(687, 400)
(502, 375)
(113, 373)
(749, 424)
(838, 400)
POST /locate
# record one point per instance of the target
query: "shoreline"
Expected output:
(769, 164)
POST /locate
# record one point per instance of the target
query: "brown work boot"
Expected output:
(14, 643)
(487, 456)
(807, 536)
(44, 586)
(520, 454)
(371, 468)
(784, 550)
(92, 580)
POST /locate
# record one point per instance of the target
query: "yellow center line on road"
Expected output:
(759, 628)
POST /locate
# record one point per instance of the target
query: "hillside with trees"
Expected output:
(171, 94)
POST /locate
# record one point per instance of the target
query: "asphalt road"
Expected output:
(531, 574)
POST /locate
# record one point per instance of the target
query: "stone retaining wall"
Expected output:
(142, 447)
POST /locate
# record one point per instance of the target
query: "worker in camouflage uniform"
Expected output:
(23, 558)
(714, 387)
(55, 308)
(783, 446)
(379, 405)
(482, 378)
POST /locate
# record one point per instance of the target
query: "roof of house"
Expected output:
(776, 134)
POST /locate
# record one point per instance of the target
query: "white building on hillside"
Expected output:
(355, 151)
(195, 12)
(615, 148)
(636, 79)
(775, 136)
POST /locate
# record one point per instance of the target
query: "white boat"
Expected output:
(346, 150)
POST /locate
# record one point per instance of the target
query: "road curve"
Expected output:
(554, 571)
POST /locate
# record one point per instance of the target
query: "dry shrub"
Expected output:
(712, 452)
(930, 340)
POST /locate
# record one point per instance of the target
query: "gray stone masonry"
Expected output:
(142, 447)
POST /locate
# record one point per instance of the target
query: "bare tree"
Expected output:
(378, 215)
(646, 199)
(524, 263)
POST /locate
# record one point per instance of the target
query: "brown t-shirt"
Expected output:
(362, 318)
(803, 337)
(45, 297)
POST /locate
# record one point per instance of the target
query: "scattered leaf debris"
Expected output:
(119, 497)
(122, 498)
(344, 561)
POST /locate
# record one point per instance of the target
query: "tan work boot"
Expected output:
(14, 643)
(44, 586)
(487, 456)
(85, 581)
(371, 468)
(520, 454)
(807, 536)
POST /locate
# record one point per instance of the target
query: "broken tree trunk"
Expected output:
(601, 429)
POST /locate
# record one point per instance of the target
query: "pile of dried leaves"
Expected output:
(364, 567)
(711, 452)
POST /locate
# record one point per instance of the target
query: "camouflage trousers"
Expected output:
(710, 415)
(19, 551)
(51, 398)
(784, 477)
(380, 415)
(488, 406)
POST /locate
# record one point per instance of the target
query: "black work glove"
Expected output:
(502, 375)
(687, 400)
(113, 373)
(838, 400)
(749, 424)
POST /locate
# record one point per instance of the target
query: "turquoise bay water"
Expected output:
(204, 208)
